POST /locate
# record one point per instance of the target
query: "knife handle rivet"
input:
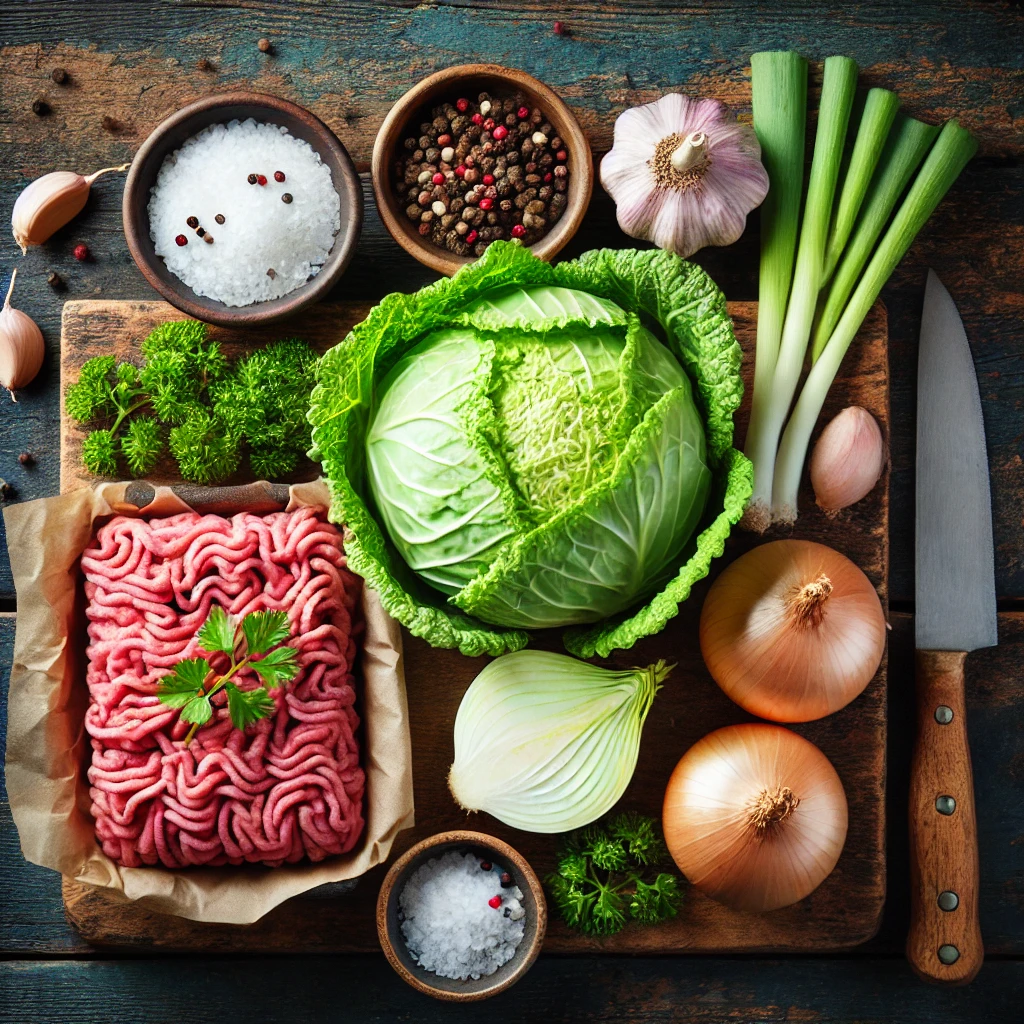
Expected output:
(943, 714)
(949, 954)
(945, 805)
(948, 901)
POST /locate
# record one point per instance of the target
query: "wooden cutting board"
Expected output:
(844, 911)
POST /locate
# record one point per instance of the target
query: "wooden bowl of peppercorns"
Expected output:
(476, 153)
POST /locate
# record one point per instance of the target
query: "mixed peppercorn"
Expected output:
(484, 170)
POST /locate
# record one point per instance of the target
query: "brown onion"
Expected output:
(755, 816)
(792, 631)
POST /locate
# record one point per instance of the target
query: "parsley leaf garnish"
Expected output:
(254, 644)
(264, 630)
(277, 667)
(602, 878)
(218, 632)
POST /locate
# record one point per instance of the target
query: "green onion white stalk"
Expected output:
(905, 148)
(837, 93)
(779, 88)
(948, 157)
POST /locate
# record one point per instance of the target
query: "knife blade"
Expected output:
(954, 613)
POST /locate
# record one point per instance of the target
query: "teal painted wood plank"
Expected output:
(364, 989)
(31, 911)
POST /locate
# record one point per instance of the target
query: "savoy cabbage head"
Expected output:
(516, 448)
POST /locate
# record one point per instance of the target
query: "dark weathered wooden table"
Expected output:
(132, 62)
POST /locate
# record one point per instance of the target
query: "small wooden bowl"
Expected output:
(469, 80)
(389, 927)
(169, 136)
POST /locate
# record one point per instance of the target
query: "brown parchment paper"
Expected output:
(48, 750)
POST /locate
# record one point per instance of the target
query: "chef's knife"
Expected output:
(955, 612)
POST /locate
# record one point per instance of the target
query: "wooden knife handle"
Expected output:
(944, 944)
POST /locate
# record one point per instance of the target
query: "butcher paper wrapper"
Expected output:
(48, 750)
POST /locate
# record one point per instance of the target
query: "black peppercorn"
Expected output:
(219, 218)
(286, 197)
(40, 108)
(251, 179)
(26, 459)
(55, 281)
(264, 45)
(192, 222)
(59, 75)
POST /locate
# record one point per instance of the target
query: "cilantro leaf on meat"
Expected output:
(194, 681)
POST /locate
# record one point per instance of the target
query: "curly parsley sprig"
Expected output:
(605, 876)
(188, 397)
(254, 643)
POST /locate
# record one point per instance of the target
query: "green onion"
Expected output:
(779, 89)
(948, 157)
(879, 111)
(779, 85)
(839, 84)
(905, 148)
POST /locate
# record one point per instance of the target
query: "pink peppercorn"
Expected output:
(559, 28)
(444, 140)
(278, 175)
(518, 231)
(178, 240)
(424, 229)
(460, 171)
(485, 865)
(523, 113)
(494, 901)
(81, 252)
(562, 155)
(438, 179)
(261, 179)
(477, 118)
(500, 132)
(471, 237)
(486, 204)
(488, 179)
(548, 176)
(462, 105)
(489, 124)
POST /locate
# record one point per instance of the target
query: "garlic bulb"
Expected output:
(546, 743)
(848, 459)
(50, 202)
(21, 345)
(684, 173)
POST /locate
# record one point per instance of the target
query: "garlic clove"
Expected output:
(848, 459)
(48, 203)
(21, 345)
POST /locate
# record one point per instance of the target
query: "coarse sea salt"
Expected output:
(449, 925)
(208, 176)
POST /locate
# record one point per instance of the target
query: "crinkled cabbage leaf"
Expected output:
(526, 445)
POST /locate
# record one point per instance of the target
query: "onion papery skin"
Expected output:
(771, 662)
(706, 817)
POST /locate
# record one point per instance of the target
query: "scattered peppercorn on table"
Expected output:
(89, 102)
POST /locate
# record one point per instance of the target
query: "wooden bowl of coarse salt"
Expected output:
(461, 916)
(242, 208)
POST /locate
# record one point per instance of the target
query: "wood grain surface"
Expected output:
(135, 61)
(843, 912)
(944, 944)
